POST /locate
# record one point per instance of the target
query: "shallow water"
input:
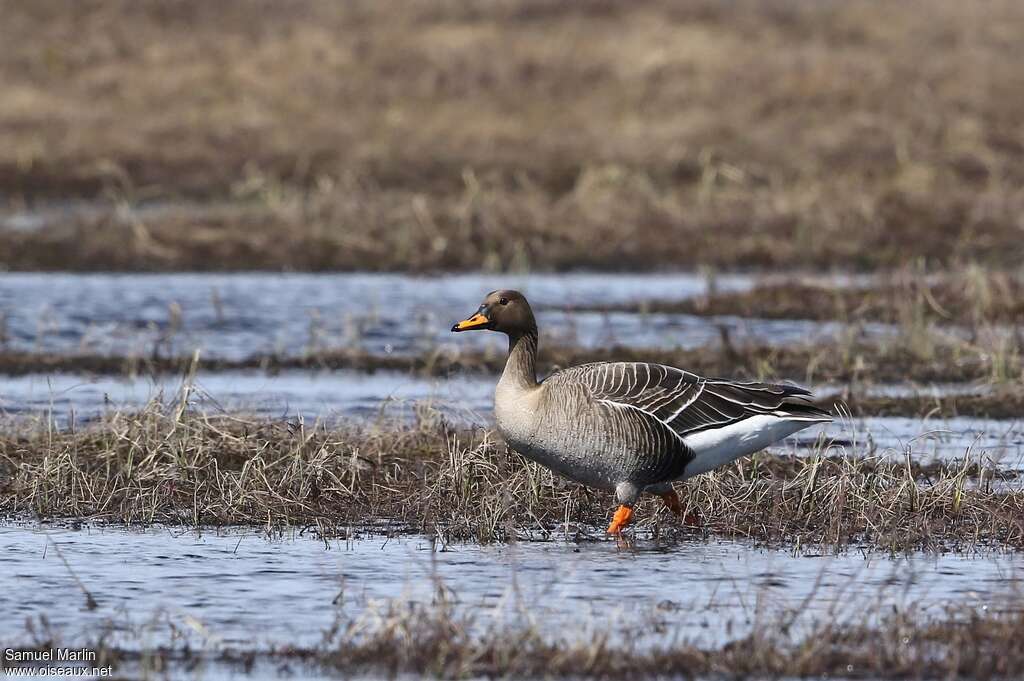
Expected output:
(326, 396)
(235, 588)
(236, 316)
(987, 441)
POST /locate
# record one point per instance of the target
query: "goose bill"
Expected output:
(477, 321)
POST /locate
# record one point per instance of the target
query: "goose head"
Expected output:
(506, 311)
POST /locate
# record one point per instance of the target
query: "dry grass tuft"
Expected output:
(966, 644)
(180, 467)
(447, 641)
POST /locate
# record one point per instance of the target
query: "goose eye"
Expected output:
(503, 301)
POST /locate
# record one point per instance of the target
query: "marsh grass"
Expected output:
(173, 465)
(450, 640)
(999, 403)
(448, 643)
(850, 359)
(910, 297)
(390, 135)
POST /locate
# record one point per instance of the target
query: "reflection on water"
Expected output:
(236, 316)
(326, 396)
(988, 441)
(242, 590)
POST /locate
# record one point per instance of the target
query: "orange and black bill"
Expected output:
(477, 321)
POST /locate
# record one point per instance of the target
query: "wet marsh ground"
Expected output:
(206, 405)
(295, 406)
(380, 606)
(885, 546)
(291, 469)
(133, 324)
(971, 296)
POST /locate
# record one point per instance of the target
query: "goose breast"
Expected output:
(562, 426)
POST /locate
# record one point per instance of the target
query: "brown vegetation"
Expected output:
(916, 356)
(469, 134)
(970, 297)
(963, 644)
(450, 641)
(179, 467)
(994, 401)
(994, 404)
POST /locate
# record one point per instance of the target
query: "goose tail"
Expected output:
(799, 406)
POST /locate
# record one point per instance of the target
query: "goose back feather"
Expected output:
(716, 420)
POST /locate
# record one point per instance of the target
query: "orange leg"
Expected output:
(621, 519)
(671, 500)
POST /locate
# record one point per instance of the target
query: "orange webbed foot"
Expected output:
(620, 520)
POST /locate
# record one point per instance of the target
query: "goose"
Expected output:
(629, 427)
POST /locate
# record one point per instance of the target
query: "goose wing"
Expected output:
(689, 404)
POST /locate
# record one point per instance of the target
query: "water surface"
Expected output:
(328, 396)
(235, 588)
(236, 316)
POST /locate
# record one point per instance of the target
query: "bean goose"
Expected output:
(629, 427)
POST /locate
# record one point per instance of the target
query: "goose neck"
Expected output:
(521, 365)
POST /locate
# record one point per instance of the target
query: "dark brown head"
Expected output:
(506, 311)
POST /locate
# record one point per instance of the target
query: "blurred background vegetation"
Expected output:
(501, 135)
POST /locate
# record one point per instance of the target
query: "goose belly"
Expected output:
(563, 450)
(568, 434)
(568, 458)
